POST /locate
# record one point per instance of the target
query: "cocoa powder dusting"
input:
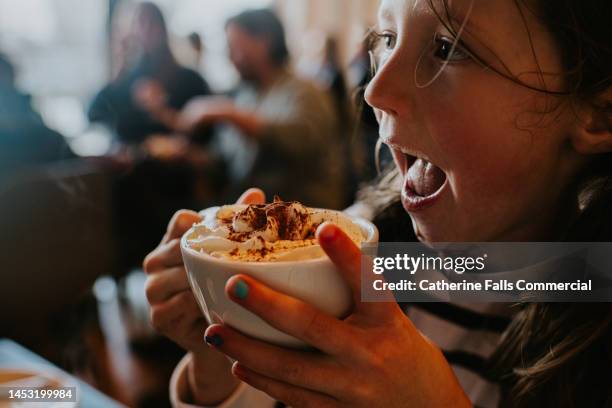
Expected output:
(280, 215)
(259, 253)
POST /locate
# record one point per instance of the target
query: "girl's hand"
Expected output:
(373, 358)
(175, 312)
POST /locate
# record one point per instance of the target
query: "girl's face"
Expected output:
(480, 158)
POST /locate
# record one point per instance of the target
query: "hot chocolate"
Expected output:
(278, 231)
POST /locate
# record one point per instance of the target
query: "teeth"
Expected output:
(413, 157)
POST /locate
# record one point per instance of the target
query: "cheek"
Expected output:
(486, 155)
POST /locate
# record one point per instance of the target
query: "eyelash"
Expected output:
(448, 43)
(388, 37)
(441, 43)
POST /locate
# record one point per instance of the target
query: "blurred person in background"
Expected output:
(158, 167)
(25, 140)
(197, 50)
(277, 131)
(331, 76)
(149, 72)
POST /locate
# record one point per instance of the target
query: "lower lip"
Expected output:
(413, 202)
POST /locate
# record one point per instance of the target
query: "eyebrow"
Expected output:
(386, 14)
(470, 27)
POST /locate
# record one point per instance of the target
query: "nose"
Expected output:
(388, 91)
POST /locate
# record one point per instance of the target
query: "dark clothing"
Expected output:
(24, 138)
(114, 105)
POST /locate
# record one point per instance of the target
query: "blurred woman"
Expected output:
(149, 76)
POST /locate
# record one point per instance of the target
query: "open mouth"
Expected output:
(423, 181)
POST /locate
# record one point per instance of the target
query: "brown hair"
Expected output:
(558, 354)
(264, 23)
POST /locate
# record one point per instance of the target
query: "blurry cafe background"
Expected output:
(113, 115)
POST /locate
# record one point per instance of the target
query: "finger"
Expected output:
(306, 369)
(348, 258)
(252, 196)
(164, 316)
(291, 395)
(291, 315)
(166, 255)
(193, 333)
(181, 221)
(163, 285)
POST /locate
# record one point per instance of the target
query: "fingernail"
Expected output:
(214, 340)
(241, 289)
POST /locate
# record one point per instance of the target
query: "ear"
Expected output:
(594, 135)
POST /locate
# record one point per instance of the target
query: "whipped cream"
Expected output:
(279, 231)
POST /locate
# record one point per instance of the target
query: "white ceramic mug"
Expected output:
(315, 281)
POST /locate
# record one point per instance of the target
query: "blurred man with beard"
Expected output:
(276, 131)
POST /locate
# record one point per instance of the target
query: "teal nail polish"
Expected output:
(241, 289)
(214, 340)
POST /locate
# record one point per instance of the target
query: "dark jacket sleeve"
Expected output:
(103, 107)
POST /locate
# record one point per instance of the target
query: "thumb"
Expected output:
(181, 221)
(350, 261)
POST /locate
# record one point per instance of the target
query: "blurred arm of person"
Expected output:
(209, 110)
(102, 108)
(151, 96)
(304, 115)
(199, 111)
(203, 377)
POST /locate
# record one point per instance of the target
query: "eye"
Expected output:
(379, 42)
(381, 47)
(389, 40)
(443, 49)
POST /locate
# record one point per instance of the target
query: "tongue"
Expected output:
(425, 177)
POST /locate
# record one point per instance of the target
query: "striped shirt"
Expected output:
(467, 334)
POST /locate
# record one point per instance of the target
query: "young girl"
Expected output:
(498, 114)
